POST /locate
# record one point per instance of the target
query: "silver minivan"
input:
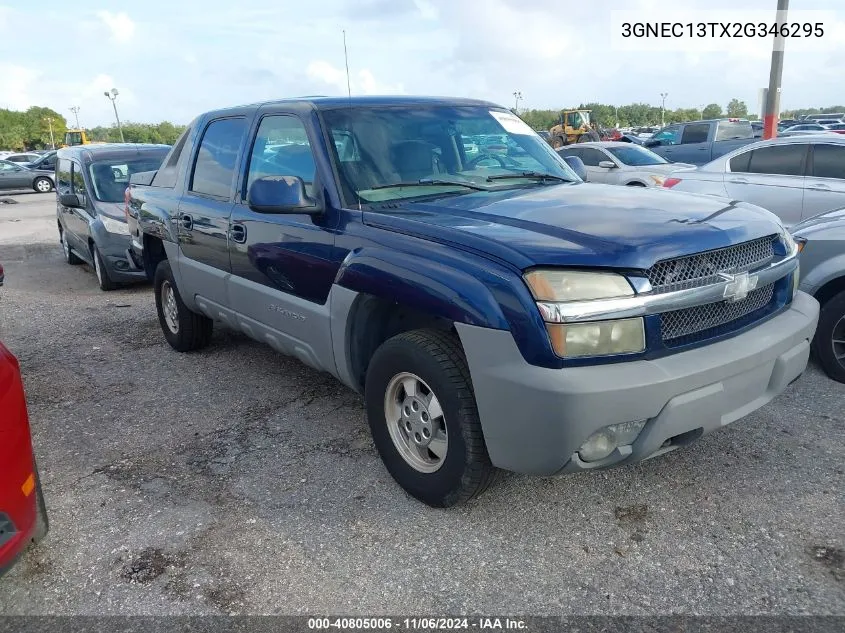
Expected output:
(795, 177)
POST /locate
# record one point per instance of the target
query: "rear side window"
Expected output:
(727, 130)
(217, 158)
(785, 160)
(829, 161)
(695, 133)
(167, 172)
(739, 163)
(63, 181)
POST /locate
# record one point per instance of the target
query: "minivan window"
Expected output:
(829, 161)
(786, 160)
(726, 130)
(695, 133)
(63, 176)
(111, 177)
(217, 158)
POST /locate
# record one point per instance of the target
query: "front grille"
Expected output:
(698, 319)
(702, 269)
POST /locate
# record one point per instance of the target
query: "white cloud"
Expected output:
(427, 10)
(16, 83)
(364, 82)
(120, 25)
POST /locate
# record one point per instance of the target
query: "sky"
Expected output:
(173, 59)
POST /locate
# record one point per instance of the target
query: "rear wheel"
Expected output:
(423, 417)
(43, 185)
(558, 142)
(829, 342)
(183, 328)
(101, 271)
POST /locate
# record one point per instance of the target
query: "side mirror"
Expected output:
(72, 200)
(577, 165)
(607, 164)
(281, 194)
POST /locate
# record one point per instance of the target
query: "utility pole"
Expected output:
(52, 140)
(770, 116)
(113, 96)
(516, 96)
(616, 112)
(663, 96)
(75, 110)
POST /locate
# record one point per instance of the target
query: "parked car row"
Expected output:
(17, 176)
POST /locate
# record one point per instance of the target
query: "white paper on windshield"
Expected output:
(512, 123)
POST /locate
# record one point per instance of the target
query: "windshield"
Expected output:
(382, 154)
(111, 177)
(74, 138)
(636, 156)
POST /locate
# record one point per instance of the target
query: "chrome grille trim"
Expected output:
(679, 323)
(656, 303)
(702, 269)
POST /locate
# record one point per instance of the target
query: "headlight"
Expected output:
(597, 338)
(114, 226)
(793, 246)
(589, 338)
(574, 285)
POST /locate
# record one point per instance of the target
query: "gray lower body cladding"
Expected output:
(535, 419)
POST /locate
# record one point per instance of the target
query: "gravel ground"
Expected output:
(236, 480)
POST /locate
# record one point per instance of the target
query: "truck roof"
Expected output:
(326, 102)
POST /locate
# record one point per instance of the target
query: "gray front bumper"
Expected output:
(534, 419)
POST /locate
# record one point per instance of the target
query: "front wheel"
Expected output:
(829, 342)
(183, 328)
(70, 257)
(558, 142)
(103, 279)
(423, 417)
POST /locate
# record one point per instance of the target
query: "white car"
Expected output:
(616, 163)
(794, 177)
(24, 158)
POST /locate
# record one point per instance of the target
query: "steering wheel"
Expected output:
(473, 163)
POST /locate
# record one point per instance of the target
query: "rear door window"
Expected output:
(829, 161)
(739, 163)
(695, 133)
(217, 158)
(785, 160)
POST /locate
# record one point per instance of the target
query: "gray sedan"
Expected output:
(795, 178)
(13, 176)
(822, 242)
(616, 163)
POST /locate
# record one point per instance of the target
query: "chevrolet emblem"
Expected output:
(738, 286)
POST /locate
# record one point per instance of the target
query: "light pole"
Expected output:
(113, 96)
(75, 110)
(663, 96)
(52, 141)
(616, 113)
(770, 116)
(516, 96)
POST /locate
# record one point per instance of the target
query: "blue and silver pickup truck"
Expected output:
(699, 142)
(494, 311)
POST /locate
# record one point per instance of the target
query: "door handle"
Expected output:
(187, 221)
(819, 187)
(238, 233)
(702, 149)
(738, 181)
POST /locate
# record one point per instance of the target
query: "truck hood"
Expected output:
(588, 225)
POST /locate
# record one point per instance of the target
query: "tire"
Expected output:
(558, 142)
(42, 185)
(100, 270)
(831, 328)
(70, 258)
(183, 328)
(42, 522)
(634, 184)
(435, 363)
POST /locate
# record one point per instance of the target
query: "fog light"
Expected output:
(606, 440)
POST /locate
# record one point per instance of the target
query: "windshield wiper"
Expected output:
(426, 182)
(534, 175)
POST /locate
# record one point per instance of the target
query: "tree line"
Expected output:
(30, 129)
(644, 114)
